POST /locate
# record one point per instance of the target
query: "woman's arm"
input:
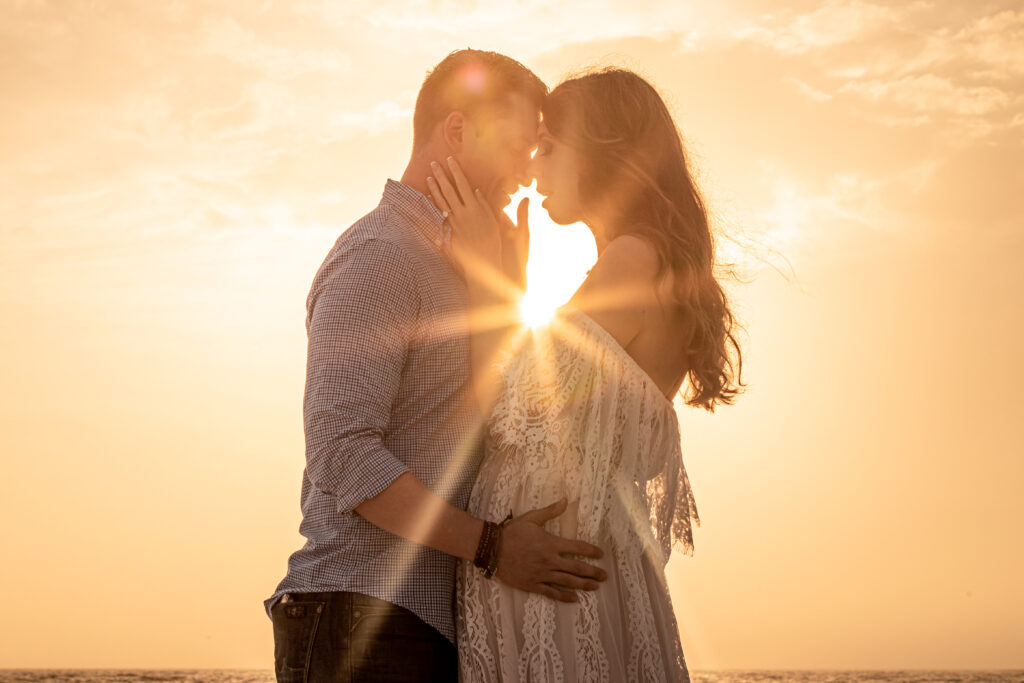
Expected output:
(477, 244)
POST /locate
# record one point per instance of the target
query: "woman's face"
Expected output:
(556, 166)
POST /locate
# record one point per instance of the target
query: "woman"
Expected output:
(584, 409)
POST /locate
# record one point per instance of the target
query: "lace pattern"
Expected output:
(579, 418)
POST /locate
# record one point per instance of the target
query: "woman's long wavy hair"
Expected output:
(634, 170)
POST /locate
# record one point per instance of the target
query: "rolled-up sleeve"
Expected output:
(362, 313)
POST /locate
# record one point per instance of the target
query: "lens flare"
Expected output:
(536, 310)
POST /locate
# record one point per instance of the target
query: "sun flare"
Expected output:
(536, 310)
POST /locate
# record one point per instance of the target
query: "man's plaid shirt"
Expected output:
(387, 391)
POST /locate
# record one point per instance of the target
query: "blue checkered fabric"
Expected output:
(387, 392)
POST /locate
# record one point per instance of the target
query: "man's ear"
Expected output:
(453, 128)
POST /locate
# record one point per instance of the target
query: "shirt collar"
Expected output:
(414, 206)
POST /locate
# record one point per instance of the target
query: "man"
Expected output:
(392, 434)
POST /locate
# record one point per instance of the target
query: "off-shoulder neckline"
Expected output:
(611, 342)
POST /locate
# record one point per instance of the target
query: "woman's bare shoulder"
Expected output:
(620, 287)
(630, 256)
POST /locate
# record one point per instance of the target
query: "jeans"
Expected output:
(350, 637)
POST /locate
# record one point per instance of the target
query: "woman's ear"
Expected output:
(453, 129)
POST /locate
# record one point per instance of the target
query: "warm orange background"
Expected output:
(171, 175)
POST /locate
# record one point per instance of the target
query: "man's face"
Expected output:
(496, 148)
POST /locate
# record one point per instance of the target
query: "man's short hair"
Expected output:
(466, 80)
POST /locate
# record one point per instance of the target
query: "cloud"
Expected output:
(225, 37)
(834, 24)
(975, 42)
(520, 29)
(807, 90)
(954, 68)
(805, 216)
(997, 42)
(386, 115)
(931, 93)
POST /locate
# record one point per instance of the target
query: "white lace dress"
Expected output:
(579, 418)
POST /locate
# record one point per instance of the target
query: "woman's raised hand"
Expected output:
(515, 244)
(476, 240)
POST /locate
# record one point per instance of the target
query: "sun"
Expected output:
(536, 310)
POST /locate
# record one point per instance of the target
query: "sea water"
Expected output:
(258, 676)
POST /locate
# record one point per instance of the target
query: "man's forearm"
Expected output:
(409, 509)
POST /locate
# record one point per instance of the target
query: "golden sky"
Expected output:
(171, 175)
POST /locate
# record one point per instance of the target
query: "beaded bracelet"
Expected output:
(489, 547)
(485, 546)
